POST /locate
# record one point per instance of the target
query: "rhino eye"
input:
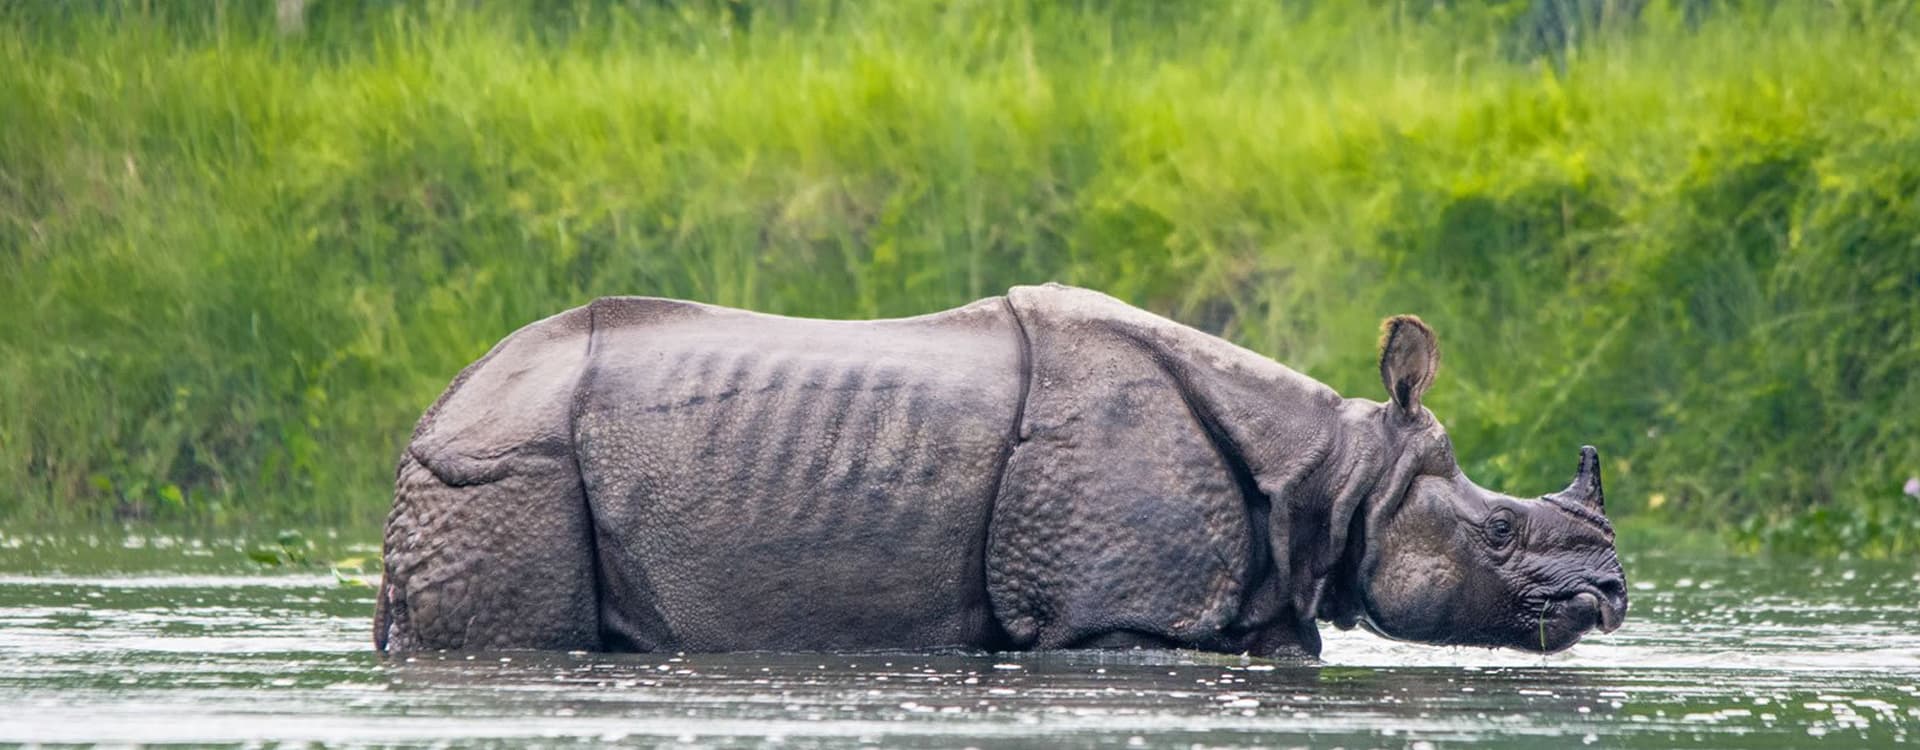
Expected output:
(1500, 530)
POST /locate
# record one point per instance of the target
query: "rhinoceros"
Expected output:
(1049, 469)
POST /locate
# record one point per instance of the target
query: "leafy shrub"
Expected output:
(238, 263)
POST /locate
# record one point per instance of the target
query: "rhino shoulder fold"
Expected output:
(1161, 456)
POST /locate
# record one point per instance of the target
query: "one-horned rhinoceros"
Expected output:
(1048, 469)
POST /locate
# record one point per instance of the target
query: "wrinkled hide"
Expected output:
(1139, 502)
(1049, 469)
(763, 482)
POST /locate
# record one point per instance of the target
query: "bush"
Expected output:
(238, 263)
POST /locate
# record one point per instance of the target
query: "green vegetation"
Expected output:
(236, 263)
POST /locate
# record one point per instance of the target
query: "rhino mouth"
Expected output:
(1564, 619)
(1610, 616)
(1585, 607)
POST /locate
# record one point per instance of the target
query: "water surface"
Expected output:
(165, 641)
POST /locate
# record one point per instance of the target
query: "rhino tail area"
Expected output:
(489, 545)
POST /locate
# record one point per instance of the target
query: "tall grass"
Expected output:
(236, 263)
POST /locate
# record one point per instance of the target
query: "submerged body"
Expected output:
(1049, 469)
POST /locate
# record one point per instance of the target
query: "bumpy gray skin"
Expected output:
(1049, 469)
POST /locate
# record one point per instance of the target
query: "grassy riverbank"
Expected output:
(236, 263)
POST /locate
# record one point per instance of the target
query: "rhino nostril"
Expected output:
(1614, 590)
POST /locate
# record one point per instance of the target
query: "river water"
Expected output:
(162, 640)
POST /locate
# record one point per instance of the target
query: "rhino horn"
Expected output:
(1585, 489)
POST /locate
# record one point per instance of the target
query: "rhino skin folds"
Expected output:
(1048, 469)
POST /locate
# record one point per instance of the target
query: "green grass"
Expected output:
(235, 265)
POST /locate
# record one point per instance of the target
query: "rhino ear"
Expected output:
(1409, 359)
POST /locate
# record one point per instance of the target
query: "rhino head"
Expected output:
(1443, 560)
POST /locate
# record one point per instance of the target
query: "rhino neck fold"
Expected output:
(1355, 481)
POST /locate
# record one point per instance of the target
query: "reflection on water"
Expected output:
(1716, 652)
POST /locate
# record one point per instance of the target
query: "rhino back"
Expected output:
(767, 482)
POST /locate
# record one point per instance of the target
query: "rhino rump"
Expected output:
(488, 544)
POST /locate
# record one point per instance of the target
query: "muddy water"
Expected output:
(181, 645)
